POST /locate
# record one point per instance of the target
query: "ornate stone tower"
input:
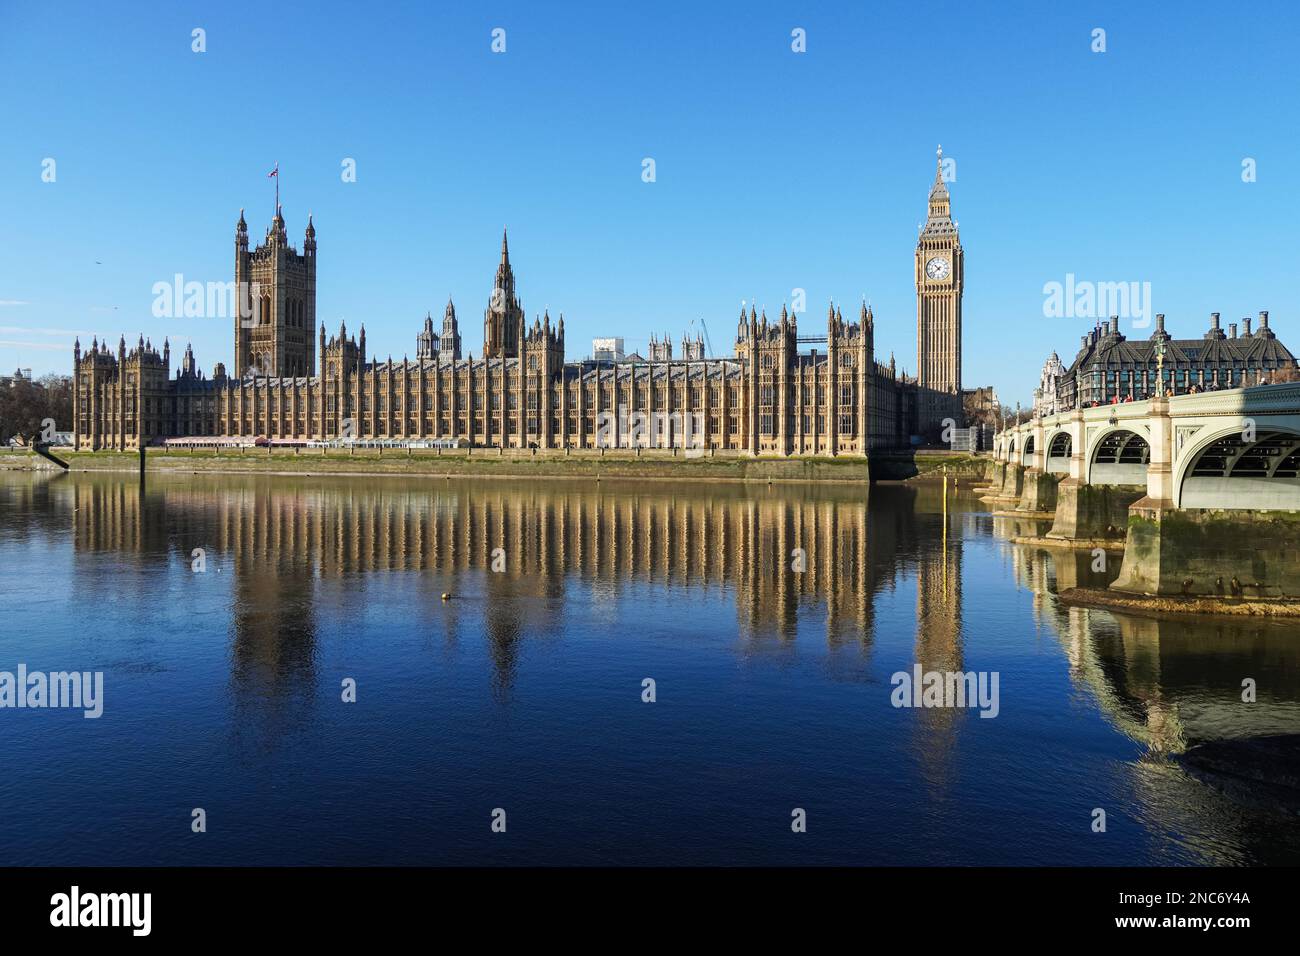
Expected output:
(661, 351)
(504, 315)
(450, 342)
(426, 343)
(542, 361)
(275, 329)
(693, 350)
(939, 282)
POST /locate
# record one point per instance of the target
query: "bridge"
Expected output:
(1203, 488)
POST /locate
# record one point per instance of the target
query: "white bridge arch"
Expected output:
(1234, 449)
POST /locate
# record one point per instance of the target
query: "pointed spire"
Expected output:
(311, 229)
(939, 219)
(505, 247)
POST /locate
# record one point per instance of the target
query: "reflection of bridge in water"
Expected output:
(1171, 685)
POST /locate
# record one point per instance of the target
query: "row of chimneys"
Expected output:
(1232, 327)
(1215, 331)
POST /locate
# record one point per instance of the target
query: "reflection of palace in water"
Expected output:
(280, 537)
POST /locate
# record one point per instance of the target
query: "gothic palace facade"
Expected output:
(290, 383)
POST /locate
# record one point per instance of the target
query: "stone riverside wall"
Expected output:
(486, 462)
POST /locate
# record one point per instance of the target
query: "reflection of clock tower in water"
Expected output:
(939, 281)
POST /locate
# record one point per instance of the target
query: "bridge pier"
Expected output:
(1092, 512)
(1209, 553)
(994, 476)
(1013, 481)
(1039, 492)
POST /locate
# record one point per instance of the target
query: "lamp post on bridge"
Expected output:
(1160, 367)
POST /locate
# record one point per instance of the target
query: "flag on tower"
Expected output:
(275, 174)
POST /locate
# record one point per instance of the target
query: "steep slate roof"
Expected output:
(1107, 350)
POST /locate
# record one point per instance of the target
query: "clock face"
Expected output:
(937, 268)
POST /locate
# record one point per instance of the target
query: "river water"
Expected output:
(771, 620)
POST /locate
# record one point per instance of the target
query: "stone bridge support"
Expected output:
(996, 475)
(1039, 492)
(1038, 488)
(1207, 553)
(1013, 481)
(1229, 552)
(1089, 513)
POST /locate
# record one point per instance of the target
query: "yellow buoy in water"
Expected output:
(446, 596)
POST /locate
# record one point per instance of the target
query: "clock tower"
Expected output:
(939, 281)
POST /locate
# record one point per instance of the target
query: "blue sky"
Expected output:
(775, 170)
